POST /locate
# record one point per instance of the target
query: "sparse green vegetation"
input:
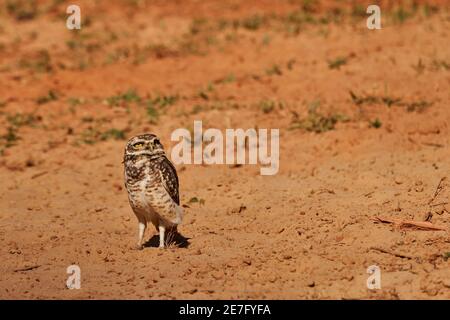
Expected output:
(375, 123)
(113, 133)
(370, 99)
(197, 200)
(310, 6)
(419, 67)
(440, 64)
(315, 121)
(358, 11)
(204, 93)
(122, 99)
(22, 9)
(162, 102)
(22, 119)
(337, 63)
(267, 106)
(417, 106)
(16, 121)
(274, 70)
(50, 96)
(227, 79)
(153, 106)
(40, 62)
(252, 23)
(152, 112)
(390, 101)
(401, 14)
(92, 135)
(73, 102)
(10, 137)
(290, 64)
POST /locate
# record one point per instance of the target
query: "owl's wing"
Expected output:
(169, 179)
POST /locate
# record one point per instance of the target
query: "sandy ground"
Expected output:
(70, 99)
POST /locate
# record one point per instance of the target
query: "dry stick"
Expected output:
(37, 175)
(438, 190)
(431, 144)
(410, 223)
(438, 204)
(27, 268)
(400, 255)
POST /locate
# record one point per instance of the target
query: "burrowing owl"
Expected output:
(152, 184)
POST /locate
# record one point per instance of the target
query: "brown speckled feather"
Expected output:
(169, 178)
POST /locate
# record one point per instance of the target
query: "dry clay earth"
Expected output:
(306, 232)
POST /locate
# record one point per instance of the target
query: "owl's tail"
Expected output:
(179, 215)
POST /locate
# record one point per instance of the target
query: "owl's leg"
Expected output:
(162, 231)
(142, 227)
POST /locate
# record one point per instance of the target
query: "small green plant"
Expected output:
(370, 99)
(440, 64)
(316, 122)
(16, 121)
(89, 136)
(92, 135)
(197, 200)
(11, 137)
(419, 67)
(204, 93)
(400, 15)
(22, 119)
(429, 10)
(164, 101)
(154, 106)
(267, 106)
(152, 112)
(274, 70)
(290, 64)
(375, 123)
(197, 109)
(309, 6)
(358, 11)
(121, 99)
(40, 62)
(74, 102)
(252, 23)
(419, 106)
(113, 133)
(229, 78)
(22, 9)
(337, 63)
(51, 96)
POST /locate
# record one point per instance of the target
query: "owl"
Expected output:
(152, 184)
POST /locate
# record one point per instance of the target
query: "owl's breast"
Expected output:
(140, 185)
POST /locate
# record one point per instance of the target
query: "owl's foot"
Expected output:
(138, 247)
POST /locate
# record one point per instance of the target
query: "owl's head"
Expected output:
(144, 144)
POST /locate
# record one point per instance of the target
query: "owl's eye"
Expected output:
(156, 141)
(138, 145)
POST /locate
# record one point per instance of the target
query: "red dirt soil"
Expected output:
(304, 233)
